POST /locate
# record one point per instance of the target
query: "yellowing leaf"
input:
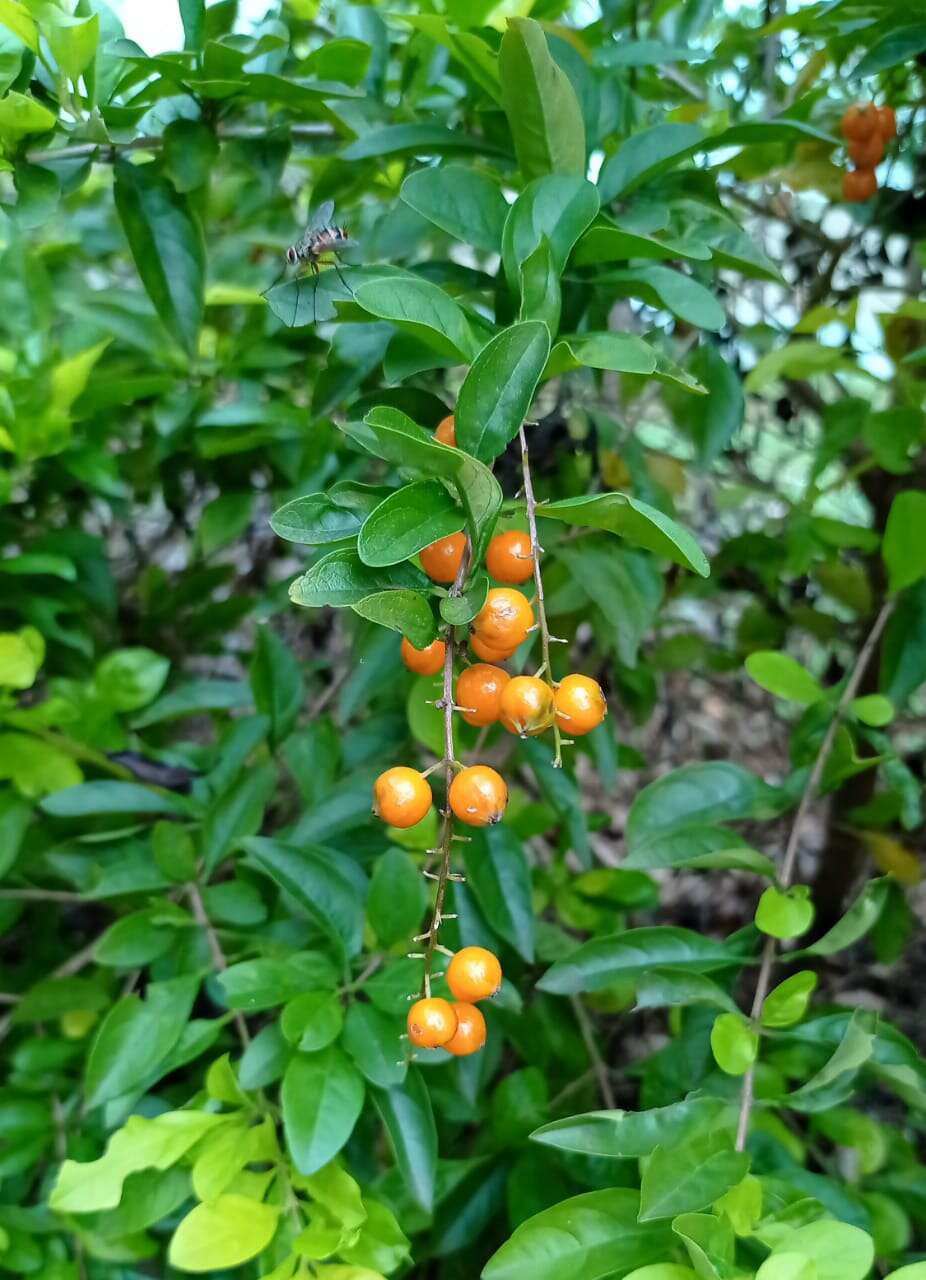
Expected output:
(890, 856)
(224, 1233)
(16, 19)
(69, 378)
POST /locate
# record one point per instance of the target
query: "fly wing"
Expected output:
(321, 217)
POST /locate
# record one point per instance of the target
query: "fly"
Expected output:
(321, 239)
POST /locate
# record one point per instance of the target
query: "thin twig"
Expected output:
(789, 860)
(108, 153)
(40, 895)
(598, 1063)
(194, 893)
(445, 843)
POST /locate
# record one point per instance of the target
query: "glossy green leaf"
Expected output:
(372, 1039)
(237, 813)
(543, 112)
(781, 675)
(498, 389)
(458, 610)
(839, 1072)
(268, 981)
(411, 518)
(312, 1020)
(667, 988)
(407, 612)
(166, 241)
(690, 1176)
(341, 578)
(609, 241)
(620, 352)
(557, 209)
(464, 202)
(396, 900)
(860, 919)
(541, 295)
(327, 517)
(661, 287)
(734, 1045)
(321, 1097)
(135, 1036)
(645, 155)
(785, 913)
(415, 139)
(632, 1134)
(787, 1003)
(904, 548)
(499, 877)
(873, 709)
(105, 797)
(895, 47)
(406, 1112)
(838, 1250)
(641, 525)
(624, 957)
(423, 310)
(276, 680)
(592, 1236)
(223, 1233)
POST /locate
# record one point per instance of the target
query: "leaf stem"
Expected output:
(769, 950)
(108, 153)
(195, 896)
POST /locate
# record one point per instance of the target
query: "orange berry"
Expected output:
(446, 431)
(868, 152)
(527, 705)
(427, 661)
(479, 690)
(488, 652)
(401, 796)
(441, 559)
(509, 557)
(470, 1034)
(431, 1022)
(478, 796)
(505, 619)
(580, 705)
(474, 974)
(859, 186)
(860, 121)
(887, 123)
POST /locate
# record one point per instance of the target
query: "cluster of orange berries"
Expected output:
(474, 974)
(867, 130)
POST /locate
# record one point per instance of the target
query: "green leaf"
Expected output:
(900, 45)
(625, 957)
(557, 209)
(423, 310)
(51, 997)
(223, 521)
(135, 1036)
(396, 901)
(20, 659)
(458, 610)
(405, 611)
(372, 1039)
(543, 112)
(700, 847)
(632, 1134)
(464, 202)
(714, 419)
(312, 877)
(73, 42)
(236, 813)
(610, 241)
(903, 547)
(134, 940)
(667, 988)
(276, 680)
(406, 1112)
(341, 578)
(417, 140)
(411, 518)
(660, 286)
(166, 242)
(873, 709)
(190, 150)
(541, 296)
(860, 919)
(640, 524)
(734, 1045)
(21, 115)
(266, 982)
(852, 1052)
(619, 352)
(690, 1176)
(499, 877)
(224, 1233)
(333, 516)
(785, 913)
(592, 1236)
(788, 1002)
(90, 799)
(391, 435)
(662, 1271)
(787, 1266)
(17, 19)
(838, 1250)
(128, 679)
(916, 1271)
(312, 1020)
(782, 676)
(645, 155)
(192, 14)
(498, 389)
(321, 1097)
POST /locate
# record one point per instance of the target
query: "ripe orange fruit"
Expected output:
(431, 1022)
(509, 557)
(478, 796)
(867, 153)
(401, 796)
(474, 974)
(479, 690)
(441, 559)
(860, 121)
(580, 705)
(488, 652)
(859, 186)
(526, 705)
(470, 1034)
(887, 123)
(505, 619)
(427, 661)
(446, 431)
